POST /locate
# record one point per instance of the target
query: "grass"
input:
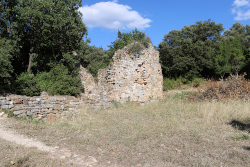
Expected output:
(169, 133)
(241, 137)
(12, 155)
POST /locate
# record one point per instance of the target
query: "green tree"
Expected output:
(222, 59)
(41, 36)
(6, 69)
(46, 30)
(189, 52)
(7, 17)
(94, 58)
(125, 39)
(237, 57)
(242, 34)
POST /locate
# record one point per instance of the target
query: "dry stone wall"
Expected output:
(130, 77)
(45, 108)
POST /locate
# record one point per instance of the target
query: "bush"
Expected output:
(169, 84)
(26, 84)
(58, 81)
(135, 48)
(197, 82)
(234, 87)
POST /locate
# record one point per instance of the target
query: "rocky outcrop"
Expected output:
(130, 77)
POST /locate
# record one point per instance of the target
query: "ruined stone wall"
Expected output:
(130, 77)
(45, 108)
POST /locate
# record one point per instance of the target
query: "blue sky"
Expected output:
(157, 18)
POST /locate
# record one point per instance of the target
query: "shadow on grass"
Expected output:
(240, 125)
(246, 148)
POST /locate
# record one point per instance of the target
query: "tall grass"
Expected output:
(169, 83)
(126, 131)
(172, 132)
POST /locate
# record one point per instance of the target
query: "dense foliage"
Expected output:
(125, 39)
(188, 52)
(58, 81)
(42, 47)
(200, 50)
(94, 58)
(6, 69)
(38, 36)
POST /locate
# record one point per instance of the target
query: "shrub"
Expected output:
(26, 84)
(135, 48)
(58, 81)
(234, 87)
(197, 82)
(169, 84)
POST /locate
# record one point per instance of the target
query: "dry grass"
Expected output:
(12, 155)
(169, 133)
(234, 87)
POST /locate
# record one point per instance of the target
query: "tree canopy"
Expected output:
(202, 50)
(189, 52)
(125, 39)
(43, 30)
(38, 39)
(41, 34)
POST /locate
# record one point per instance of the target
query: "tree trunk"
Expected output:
(30, 59)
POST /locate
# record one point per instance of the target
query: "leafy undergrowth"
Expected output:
(234, 87)
(173, 132)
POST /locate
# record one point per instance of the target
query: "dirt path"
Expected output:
(59, 153)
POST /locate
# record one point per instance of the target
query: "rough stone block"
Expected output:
(43, 93)
(74, 103)
(38, 99)
(31, 108)
(25, 102)
(18, 102)
(29, 113)
(3, 102)
(35, 110)
(17, 112)
(57, 107)
(53, 99)
(33, 102)
(5, 106)
(47, 105)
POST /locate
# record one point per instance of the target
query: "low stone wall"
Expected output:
(45, 108)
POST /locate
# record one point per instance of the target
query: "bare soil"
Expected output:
(27, 150)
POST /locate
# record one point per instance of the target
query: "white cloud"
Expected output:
(239, 3)
(241, 9)
(112, 15)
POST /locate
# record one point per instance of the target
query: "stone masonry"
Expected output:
(47, 108)
(130, 77)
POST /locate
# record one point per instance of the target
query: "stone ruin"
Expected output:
(130, 77)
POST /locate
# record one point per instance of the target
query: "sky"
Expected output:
(156, 18)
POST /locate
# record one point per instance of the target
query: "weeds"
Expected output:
(21, 160)
(182, 95)
(241, 137)
(135, 48)
(159, 134)
(234, 87)
(169, 84)
(9, 113)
